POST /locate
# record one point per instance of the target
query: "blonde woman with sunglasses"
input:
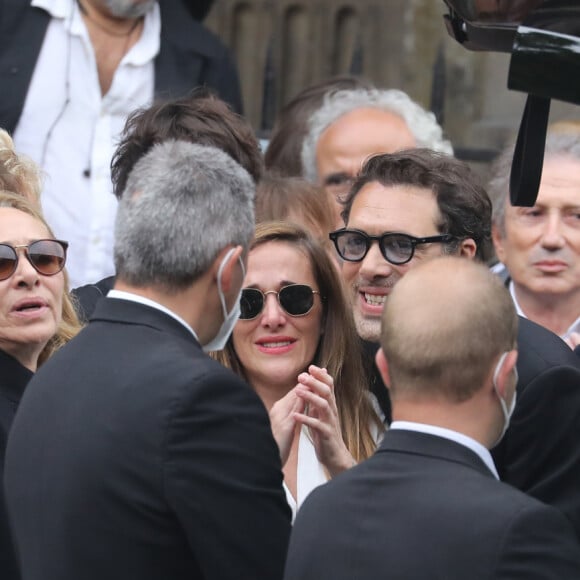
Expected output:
(36, 318)
(296, 344)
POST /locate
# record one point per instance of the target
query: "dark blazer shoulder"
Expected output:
(191, 55)
(85, 297)
(539, 349)
(539, 453)
(22, 31)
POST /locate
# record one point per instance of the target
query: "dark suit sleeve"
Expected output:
(539, 545)
(540, 454)
(223, 478)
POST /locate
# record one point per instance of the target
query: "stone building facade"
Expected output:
(282, 46)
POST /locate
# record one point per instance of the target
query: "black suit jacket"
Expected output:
(86, 298)
(189, 56)
(423, 508)
(540, 453)
(13, 380)
(134, 456)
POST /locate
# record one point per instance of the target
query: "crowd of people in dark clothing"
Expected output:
(344, 357)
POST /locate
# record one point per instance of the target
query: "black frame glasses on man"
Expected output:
(396, 248)
(47, 257)
(294, 299)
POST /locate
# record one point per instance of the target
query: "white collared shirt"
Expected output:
(121, 294)
(460, 438)
(574, 327)
(69, 128)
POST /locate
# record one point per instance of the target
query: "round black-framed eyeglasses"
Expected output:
(396, 248)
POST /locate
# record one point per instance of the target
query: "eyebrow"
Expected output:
(338, 178)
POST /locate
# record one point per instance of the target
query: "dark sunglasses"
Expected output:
(47, 257)
(295, 299)
(396, 248)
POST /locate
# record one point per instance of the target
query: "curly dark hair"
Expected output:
(464, 206)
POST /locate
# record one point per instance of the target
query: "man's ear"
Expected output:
(498, 242)
(383, 366)
(468, 248)
(504, 381)
(231, 273)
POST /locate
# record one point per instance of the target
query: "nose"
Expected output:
(374, 265)
(25, 275)
(272, 316)
(552, 234)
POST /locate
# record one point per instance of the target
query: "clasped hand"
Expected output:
(312, 403)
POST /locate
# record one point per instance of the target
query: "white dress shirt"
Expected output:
(460, 438)
(574, 327)
(501, 270)
(69, 128)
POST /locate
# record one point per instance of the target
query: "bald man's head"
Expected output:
(443, 326)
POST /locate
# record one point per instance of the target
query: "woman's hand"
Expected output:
(283, 422)
(316, 389)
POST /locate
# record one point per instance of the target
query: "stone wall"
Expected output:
(283, 46)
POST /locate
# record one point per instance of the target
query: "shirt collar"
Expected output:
(460, 438)
(151, 303)
(574, 327)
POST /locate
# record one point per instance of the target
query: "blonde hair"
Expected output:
(69, 325)
(339, 349)
(18, 173)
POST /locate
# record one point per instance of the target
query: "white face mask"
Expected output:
(507, 413)
(218, 342)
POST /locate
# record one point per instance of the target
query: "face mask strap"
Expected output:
(219, 280)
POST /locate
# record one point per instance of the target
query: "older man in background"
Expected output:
(539, 246)
(353, 124)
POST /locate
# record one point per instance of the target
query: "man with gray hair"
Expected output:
(539, 246)
(354, 124)
(135, 455)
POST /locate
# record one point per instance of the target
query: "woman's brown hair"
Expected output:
(339, 349)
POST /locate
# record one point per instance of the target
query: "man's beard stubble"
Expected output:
(129, 8)
(366, 328)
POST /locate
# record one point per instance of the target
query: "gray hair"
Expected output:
(558, 144)
(421, 123)
(182, 205)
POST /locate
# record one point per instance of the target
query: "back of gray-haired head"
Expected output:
(421, 123)
(182, 205)
(558, 144)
